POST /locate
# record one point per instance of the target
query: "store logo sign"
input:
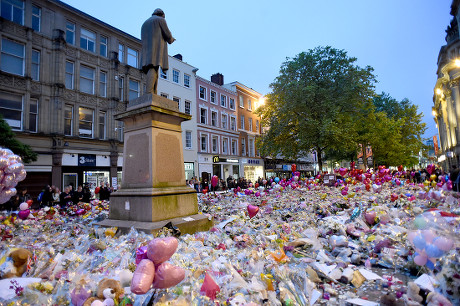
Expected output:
(86, 160)
(215, 159)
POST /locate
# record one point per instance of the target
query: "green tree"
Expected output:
(314, 104)
(8, 140)
(411, 127)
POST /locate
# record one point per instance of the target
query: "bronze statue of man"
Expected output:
(155, 37)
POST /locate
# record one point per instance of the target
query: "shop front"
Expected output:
(189, 168)
(253, 168)
(91, 169)
(225, 167)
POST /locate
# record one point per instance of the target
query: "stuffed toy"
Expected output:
(108, 291)
(437, 299)
(412, 297)
(15, 263)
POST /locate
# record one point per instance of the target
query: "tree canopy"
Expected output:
(322, 101)
(8, 140)
(314, 104)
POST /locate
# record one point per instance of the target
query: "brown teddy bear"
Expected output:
(107, 289)
(16, 263)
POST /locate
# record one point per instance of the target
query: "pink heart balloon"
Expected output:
(343, 171)
(143, 277)
(167, 275)
(161, 249)
(252, 210)
(430, 169)
(23, 214)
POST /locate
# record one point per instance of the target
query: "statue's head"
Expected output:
(159, 12)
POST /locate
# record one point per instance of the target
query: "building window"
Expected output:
(250, 124)
(163, 74)
(103, 84)
(88, 40)
(177, 100)
(249, 104)
(164, 95)
(243, 146)
(85, 122)
(224, 121)
(202, 93)
(233, 123)
(225, 145)
(121, 86)
(187, 107)
(204, 143)
(241, 101)
(11, 109)
(13, 10)
(257, 126)
(133, 56)
(69, 73)
(33, 115)
(121, 53)
(86, 79)
(186, 80)
(102, 119)
(251, 147)
(223, 101)
(212, 97)
(68, 119)
(203, 115)
(12, 59)
(213, 118)
(215, 144)
(103, 46)
(70, 33)
(176, 74)
(36, 16)
(242, 122)
(134, 89)
(234, 145)
(188, 139)
(35, 69)
(120, 131)
(232, 103)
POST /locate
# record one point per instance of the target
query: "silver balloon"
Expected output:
(10, 192)
(5, 152)
(4, 162)
(14, 168)
(14, 158)
(2, 173)
(20, 176)
(8, 180)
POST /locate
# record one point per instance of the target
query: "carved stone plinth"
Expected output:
(153, 184)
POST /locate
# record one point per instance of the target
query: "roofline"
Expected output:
(222, 87)
(69, 7)
(236, 83)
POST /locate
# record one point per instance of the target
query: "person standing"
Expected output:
(65, 198)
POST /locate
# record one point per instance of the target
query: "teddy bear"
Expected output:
(412, 297)
(108, 291)
(437, 299)
(15, 263)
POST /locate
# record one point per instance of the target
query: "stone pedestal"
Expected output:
(153, 184)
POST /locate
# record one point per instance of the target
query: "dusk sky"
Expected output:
(247, 41)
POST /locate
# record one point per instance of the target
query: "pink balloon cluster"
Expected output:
(154, 270)
(11, 172)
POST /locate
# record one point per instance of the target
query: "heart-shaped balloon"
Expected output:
(143, 277)
(252, 210)
(161, 249)
(23, 214)
(343, 171)
(430, 169)
(167, 275)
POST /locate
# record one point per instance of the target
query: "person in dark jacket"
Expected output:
(78, 195)
(453, 177)
(65, 198)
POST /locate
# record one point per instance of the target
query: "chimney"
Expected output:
(217, 78)
(178, 56)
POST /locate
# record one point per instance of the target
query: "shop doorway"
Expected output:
(95, 178)
(69, 179)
